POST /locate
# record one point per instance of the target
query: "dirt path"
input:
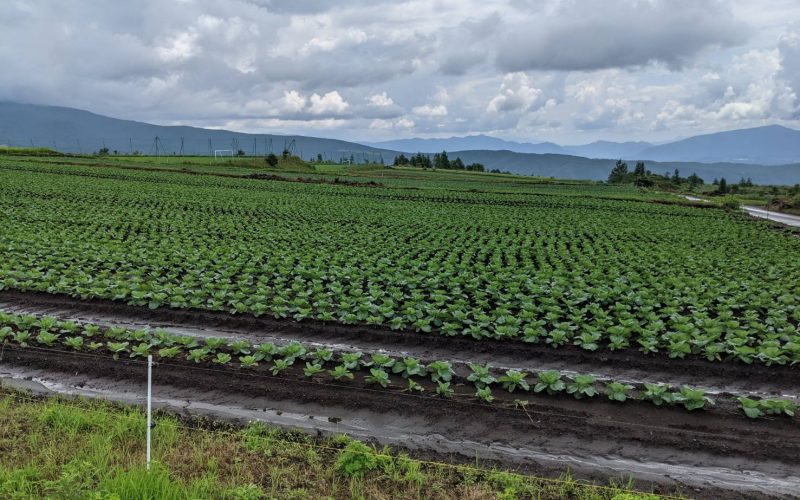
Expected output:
(627, 366)
(705, 454)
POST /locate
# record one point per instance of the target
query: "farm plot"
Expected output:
(581, 306)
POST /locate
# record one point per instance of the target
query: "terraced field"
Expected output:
(618, 327)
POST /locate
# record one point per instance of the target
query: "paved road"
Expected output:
(789, 220)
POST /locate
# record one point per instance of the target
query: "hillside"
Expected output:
(770, 145)
(76, 131)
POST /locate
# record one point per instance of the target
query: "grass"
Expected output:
(54, 448)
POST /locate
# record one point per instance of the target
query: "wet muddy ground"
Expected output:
(711, 454)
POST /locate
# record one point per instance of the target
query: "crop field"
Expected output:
(497, 298)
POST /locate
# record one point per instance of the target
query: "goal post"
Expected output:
(222, 153)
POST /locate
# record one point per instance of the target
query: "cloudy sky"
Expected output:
(569, 71)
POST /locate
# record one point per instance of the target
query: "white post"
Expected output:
(149, 403)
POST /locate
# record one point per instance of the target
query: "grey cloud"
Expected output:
(620, 34)
(789, 49)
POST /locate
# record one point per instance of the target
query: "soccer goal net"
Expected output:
(222, 153)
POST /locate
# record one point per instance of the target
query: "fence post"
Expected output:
(149, 403)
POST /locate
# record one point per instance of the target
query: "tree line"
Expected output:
(439, 161)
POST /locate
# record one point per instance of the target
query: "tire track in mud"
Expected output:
(628, 366)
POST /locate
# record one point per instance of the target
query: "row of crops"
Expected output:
(380, 370)
(600, 274)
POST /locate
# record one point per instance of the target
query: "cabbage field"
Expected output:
(448, 310)
(601, 274)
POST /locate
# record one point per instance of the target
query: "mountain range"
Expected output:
(768, 155)
(768, 145)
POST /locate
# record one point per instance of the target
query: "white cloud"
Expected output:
(293, 102)
(330, 103)
(380, 100)
(429, 110)
(516, 94)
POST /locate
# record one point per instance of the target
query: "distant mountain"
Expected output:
(770, 145)
(576, 167)
(470, 142)
(608, 149)
(72, 130)
(599, 149)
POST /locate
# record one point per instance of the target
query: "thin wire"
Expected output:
(406, 395)
(170, 422)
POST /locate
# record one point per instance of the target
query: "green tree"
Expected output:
(457, 164)
(271, 160)
(619, 173)
(639, 170)
(723, 186)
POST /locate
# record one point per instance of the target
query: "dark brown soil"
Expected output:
(629, 364)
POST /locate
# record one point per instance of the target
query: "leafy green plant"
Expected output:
(117, 348)
(46, 338)
(582, 385)
(778, 407)
(658, 394)
(549, 381)
(440, 371)
(351, 360)
(514, 379)
(292, 351)
(140, 350)
(312, 369)
(378, 376)
(222, 358)
(198, 355)
(169, 352)
(413, 386)
(617, 391)
(240, 347)
(751, 407)
(265, 351)
(485, 394)
(249, 361)
(322, 355)
(380, 360)
(481, 375)
(409, 367)
(280, 365)
(340, 372)
(443, 389)
(75, 342)
(21, 338)
(692, 399)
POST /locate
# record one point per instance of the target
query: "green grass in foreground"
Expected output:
(87, 449)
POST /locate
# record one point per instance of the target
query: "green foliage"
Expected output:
(484, 394)
(549, 381)
(409, 367)
(378, 376)
(692, 399)
(582, 385)
(312, 369)
(279, 366)
(356, 459)
(481, 375)
(514, 379)
(617, 391)
(508, 271)
(658, 394)
(440, 371)
(341, 372)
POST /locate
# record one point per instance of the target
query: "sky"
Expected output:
(567, 71)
